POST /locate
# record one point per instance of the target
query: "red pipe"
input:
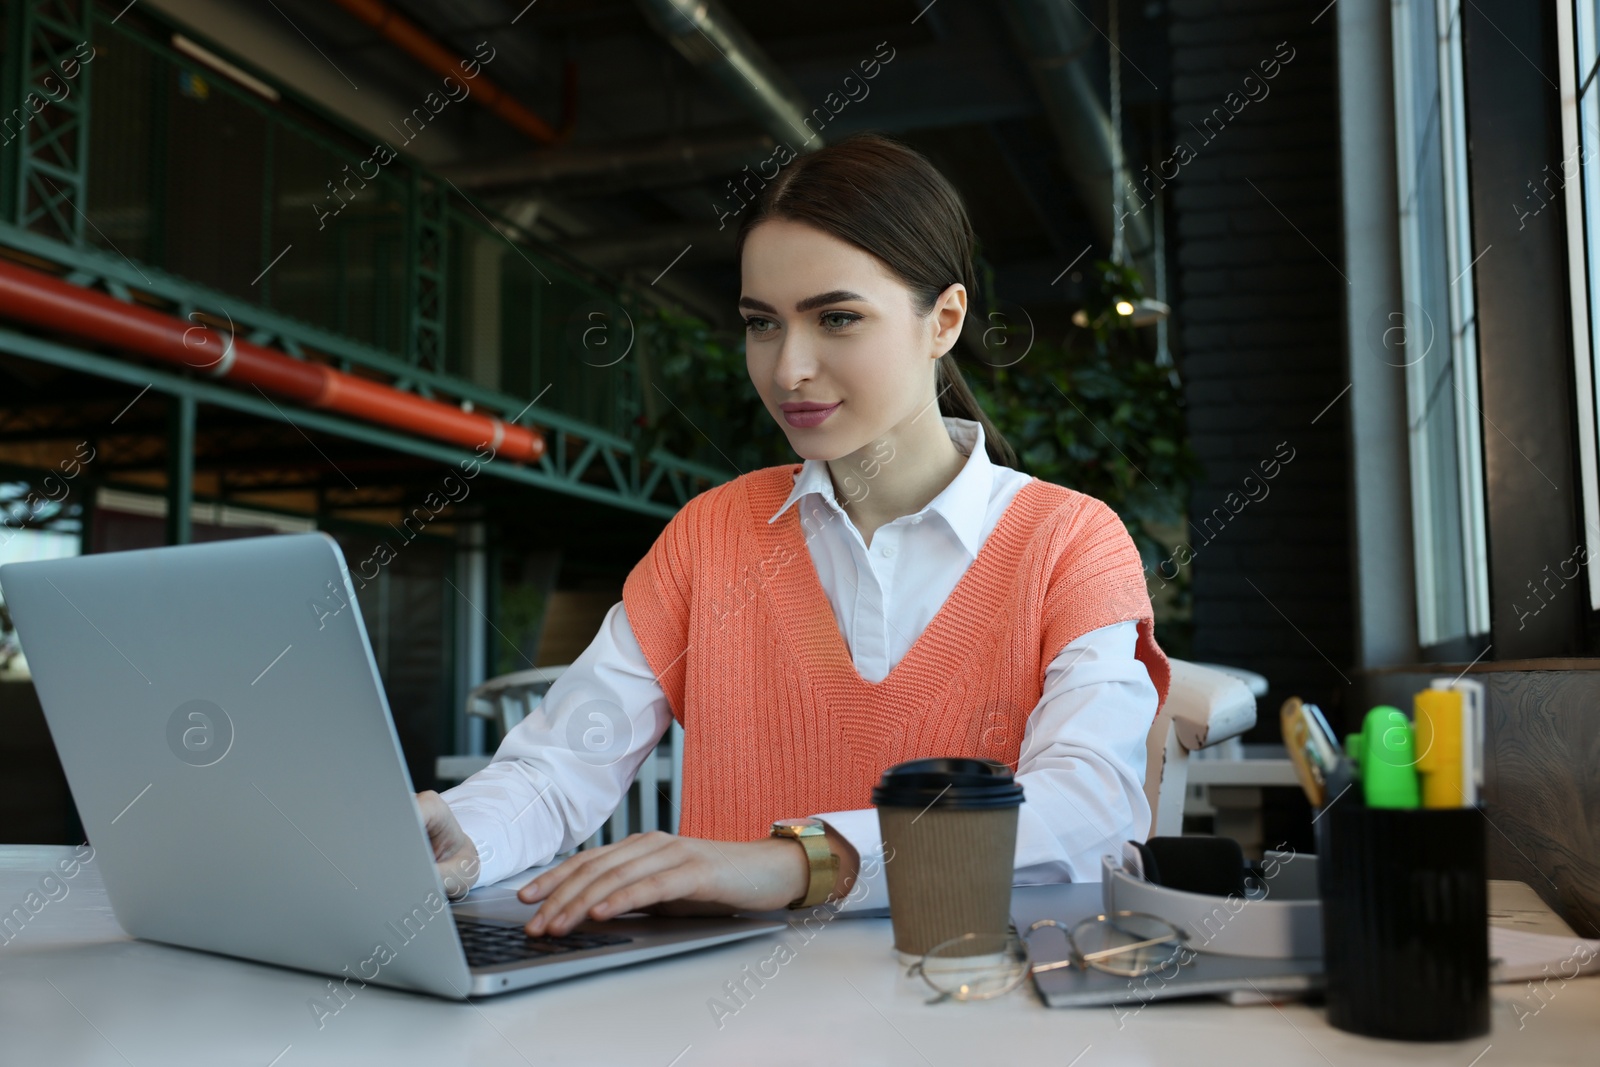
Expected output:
(415, 42)
(47, 302)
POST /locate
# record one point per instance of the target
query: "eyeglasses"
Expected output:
(980, 966)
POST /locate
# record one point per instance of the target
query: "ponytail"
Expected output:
(957, 400)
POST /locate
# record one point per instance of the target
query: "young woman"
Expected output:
(903, 592)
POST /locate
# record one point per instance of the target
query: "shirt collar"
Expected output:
(963, 504)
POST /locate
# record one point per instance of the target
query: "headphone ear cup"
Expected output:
(1196, 864)
(1147, 861)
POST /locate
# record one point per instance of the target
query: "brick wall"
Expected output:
(1259, 320)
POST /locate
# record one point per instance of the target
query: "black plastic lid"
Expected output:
(947, 782)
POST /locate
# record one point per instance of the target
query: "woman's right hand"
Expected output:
(454, 855)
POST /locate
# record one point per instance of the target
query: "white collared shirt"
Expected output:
(1082, 762)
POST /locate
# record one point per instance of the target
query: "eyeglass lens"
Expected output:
(1128, 944)
(976, 966)
(979, 966)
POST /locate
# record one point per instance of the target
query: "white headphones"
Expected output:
(1279, 917)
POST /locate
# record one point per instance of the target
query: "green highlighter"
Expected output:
(1385, 751)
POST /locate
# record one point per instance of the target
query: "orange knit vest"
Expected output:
(733, 619)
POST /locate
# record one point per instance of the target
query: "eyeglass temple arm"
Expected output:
(1057, 965)
(1125, 948)
(1087, 957)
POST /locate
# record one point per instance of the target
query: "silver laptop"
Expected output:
(225, 733)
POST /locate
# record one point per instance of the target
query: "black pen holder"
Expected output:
(1405, 920)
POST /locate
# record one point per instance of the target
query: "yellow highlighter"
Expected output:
(1438, 717)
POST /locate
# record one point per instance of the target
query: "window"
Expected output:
(1579, 184)
(1438, 346)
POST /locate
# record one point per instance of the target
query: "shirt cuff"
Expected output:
(860, 828)
(487, 832)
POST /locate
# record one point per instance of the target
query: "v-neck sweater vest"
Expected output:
(733, 619)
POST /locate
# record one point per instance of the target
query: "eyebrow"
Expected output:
(836, 296)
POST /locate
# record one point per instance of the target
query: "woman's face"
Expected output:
(827, 323)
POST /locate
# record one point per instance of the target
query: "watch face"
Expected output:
(796, 824)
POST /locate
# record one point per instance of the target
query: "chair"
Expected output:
(510, 698)
(504, 701)
(1205, 706)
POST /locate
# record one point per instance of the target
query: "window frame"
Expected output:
(1578, 49)
(1466, 467)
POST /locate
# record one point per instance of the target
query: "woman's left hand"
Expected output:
(655, 868)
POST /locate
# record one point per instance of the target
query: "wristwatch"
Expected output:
(813, 837)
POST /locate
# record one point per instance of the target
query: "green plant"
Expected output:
(711, 412)
(521, 614)
(1095, 413)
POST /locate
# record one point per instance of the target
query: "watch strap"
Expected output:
(823, 864)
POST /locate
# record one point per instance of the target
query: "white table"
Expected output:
(75, 990)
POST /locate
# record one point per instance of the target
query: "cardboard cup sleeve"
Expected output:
(950, 835)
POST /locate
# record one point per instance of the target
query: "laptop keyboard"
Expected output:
(489, 943)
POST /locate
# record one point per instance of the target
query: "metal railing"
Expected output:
(147, 172)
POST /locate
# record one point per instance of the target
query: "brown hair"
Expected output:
(885, 198)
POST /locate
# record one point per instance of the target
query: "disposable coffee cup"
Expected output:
(949, 831)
